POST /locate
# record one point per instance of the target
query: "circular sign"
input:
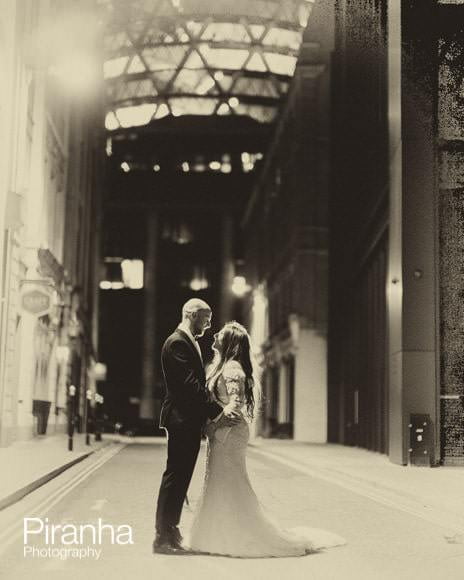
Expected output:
(36, 302)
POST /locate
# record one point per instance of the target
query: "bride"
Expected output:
(229, 520)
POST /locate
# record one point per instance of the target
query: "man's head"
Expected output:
(197, 314)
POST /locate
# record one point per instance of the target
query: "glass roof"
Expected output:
(199, 57)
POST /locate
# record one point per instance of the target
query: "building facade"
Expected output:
(286, 249)
(395, 232)
(359, 227)
(364, 347)
(49, 191)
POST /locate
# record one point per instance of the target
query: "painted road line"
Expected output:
(450, 523)
(99, 504)
(12, 533)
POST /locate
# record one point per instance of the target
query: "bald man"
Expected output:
(185, 409)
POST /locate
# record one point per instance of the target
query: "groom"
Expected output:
(184, 412)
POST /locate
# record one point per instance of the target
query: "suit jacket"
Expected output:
(187, 402)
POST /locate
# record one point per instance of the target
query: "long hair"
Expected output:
(235, 345)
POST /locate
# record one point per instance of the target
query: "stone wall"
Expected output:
(451, 236)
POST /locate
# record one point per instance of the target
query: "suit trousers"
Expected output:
(183, 448)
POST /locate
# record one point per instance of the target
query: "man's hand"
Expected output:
(229, 421)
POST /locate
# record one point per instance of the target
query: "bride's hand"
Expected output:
(231, 409)
(232, 412)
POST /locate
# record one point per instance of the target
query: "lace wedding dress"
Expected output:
(229, 519)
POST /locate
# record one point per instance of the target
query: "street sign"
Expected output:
(36, 301)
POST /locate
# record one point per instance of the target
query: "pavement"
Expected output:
(396, 520)
(27, 465)
(434, 494)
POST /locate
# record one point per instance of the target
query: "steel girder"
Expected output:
(199, 57)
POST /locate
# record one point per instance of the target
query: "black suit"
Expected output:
(183, 414)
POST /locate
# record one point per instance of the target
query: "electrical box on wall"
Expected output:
(421, 441)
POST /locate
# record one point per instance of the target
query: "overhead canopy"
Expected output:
(199, 57)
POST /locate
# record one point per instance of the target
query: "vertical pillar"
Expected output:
(310, 422)
(149, 340)
(309, 327)
(412, 269)
(226, 299)
(283, 402)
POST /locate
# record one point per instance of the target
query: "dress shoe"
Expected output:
(175, 537)
(168, 549)
(164, 544)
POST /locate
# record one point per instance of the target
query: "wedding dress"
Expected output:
(229, 519)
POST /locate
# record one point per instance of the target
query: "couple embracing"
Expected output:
(229, 520)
